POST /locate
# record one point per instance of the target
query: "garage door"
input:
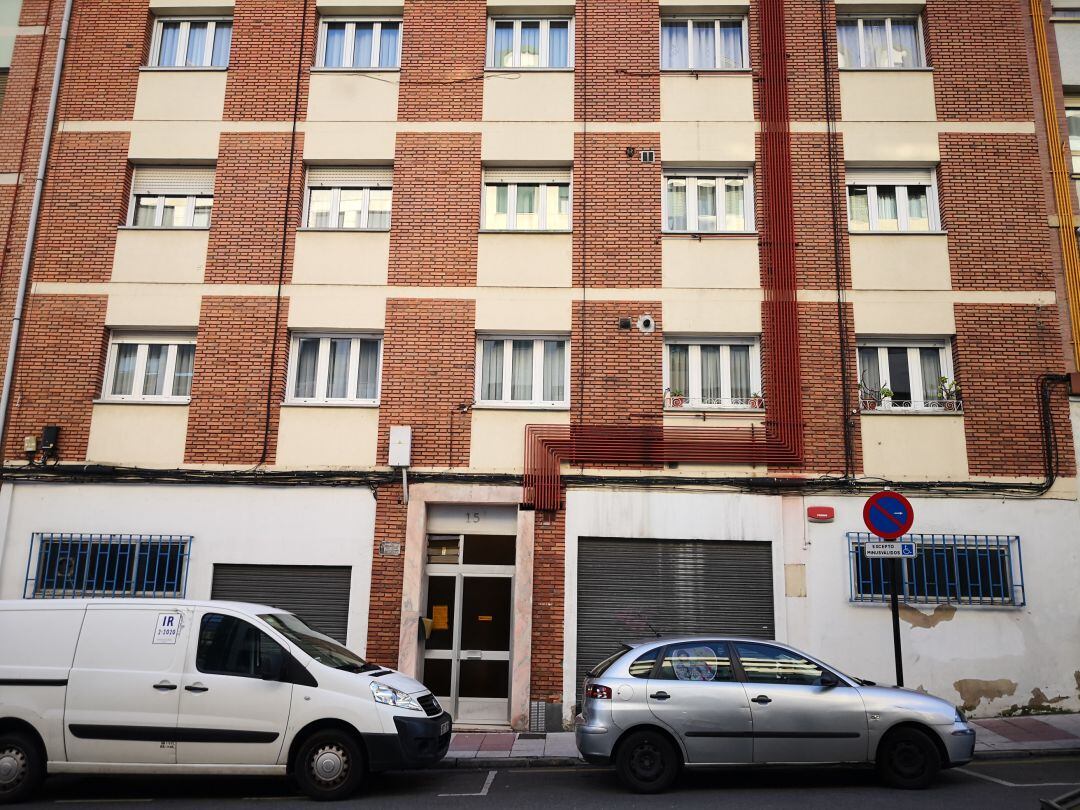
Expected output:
(633, 589)
(318, 594)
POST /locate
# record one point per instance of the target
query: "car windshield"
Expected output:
(322, 648)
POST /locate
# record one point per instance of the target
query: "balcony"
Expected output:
(677, 402)
(871, 401)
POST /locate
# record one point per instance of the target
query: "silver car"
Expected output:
(656, 706)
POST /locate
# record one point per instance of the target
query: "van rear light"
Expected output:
(598, 692)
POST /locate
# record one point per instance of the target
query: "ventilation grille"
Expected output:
(648, 156)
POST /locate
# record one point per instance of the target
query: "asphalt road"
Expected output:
(1019, 783)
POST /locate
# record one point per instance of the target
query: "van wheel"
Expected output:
(647, 762)
(329, 765)
(22, 767)
(908, 759)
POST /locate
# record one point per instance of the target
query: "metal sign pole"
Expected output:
(894, 598)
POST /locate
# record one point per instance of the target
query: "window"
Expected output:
(1072, 118)
(110, 565)
(530, 44)
(703, 44)
(191, 43)
(349, 198)
(149, 369)
(713, 373)
(969, 569)
(335, 369)
(880, 42)
(892, 201)
(523, 371)
(697, 661)
(642, 667)
(764, 663)
(171, 197)
(231, 646)
(912, 376)
(359, 44)
(526, 200)
(692, 201)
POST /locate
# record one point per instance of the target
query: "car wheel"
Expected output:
(329, 765)
(22, 767)
(647, 762)
(908, 759)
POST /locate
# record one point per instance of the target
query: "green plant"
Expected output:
(948, 389)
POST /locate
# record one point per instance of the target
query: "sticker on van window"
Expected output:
(168, 628)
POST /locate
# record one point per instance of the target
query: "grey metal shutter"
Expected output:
(318, 594)
(632, 589)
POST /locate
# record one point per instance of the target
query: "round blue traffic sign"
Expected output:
(888, 514)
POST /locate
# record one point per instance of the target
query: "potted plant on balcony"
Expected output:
(676, 398)
(870, 398)
(756, 401)
(949, 394)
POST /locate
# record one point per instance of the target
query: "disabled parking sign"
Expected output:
(888, 514)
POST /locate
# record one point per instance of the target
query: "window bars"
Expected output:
(962, 569)
(107, 565)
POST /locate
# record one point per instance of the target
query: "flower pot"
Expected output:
(870, 404)
(757, 403)
(678, 402)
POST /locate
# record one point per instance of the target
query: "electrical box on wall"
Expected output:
(400, 445)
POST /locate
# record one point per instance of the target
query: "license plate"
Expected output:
(444, 727)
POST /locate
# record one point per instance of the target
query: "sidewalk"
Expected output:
(997, 738)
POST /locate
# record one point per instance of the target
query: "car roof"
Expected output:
(713, 637)
(250, 608)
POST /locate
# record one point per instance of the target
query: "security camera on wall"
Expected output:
(646, 325)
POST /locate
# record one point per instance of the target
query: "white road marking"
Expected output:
(102, 801)
(1005, 783)
(483, 791)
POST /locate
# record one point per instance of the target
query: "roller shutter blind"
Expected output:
(179, 181)
(350, 177)
(890, 177)
(547, 175)
(632, 589)
(318, 594)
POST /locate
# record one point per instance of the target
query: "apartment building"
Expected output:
(487, 335)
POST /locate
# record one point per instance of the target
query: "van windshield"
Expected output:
(322, 648)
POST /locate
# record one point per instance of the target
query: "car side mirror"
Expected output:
(828, 680)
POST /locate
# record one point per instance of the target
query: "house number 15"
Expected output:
(472, 517)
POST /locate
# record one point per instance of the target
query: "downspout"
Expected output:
(31, 231)
(1059, 172)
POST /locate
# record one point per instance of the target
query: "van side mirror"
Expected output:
(828, 680)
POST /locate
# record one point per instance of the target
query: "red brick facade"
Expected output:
(815, 239)
(806, 64)
(617, 56)
(548, 599)
(384, 616)
(429, 358)
(227, 416)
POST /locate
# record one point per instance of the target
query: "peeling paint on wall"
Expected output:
(973, 691)
(916, 618)
(1040, 700)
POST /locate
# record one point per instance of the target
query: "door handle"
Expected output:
(761, 700)
(197, 687)
(659, 695)
(164, 686)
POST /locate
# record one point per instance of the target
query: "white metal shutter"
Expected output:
(350, 177)
(548, 175)
(180, 181)
(318, 594)
(890, 177)
(633, 589)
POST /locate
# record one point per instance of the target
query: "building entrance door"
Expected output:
(470, 590)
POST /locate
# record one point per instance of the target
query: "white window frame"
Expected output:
(182, 41)
(545, 25)
(508, 369)
(322, 364)
(350, 42)
(159, 215)
(692, 52)
(693, 395)
(860, 18)
(335, 208)
(691, 176)
(912, 345)
(511, 208)
(144, 341)
(902, 222)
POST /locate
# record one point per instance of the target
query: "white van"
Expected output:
(175, 686)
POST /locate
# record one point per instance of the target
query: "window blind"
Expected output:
(350, 176)
(889, 177)
(512, 175)
(181, 181)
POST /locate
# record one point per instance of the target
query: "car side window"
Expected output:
(764, 663)
(231, 646)
(643, 666)
(697, 661)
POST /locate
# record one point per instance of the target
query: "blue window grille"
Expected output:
(961, 569)
(107, 565)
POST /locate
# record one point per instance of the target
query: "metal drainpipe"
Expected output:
(31, 232)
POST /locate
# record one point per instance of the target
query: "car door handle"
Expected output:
(659, 695)
(197, 687)
(761, 700)
(164, 686)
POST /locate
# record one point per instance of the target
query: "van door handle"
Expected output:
(659, 695)
(197, 687)
(761, 700)
(165, 686)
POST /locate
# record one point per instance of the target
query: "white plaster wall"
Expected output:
(1034, 647)
(230, 524)
(525, 96)
(353, 96)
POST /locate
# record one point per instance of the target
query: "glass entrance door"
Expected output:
(470, 605)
